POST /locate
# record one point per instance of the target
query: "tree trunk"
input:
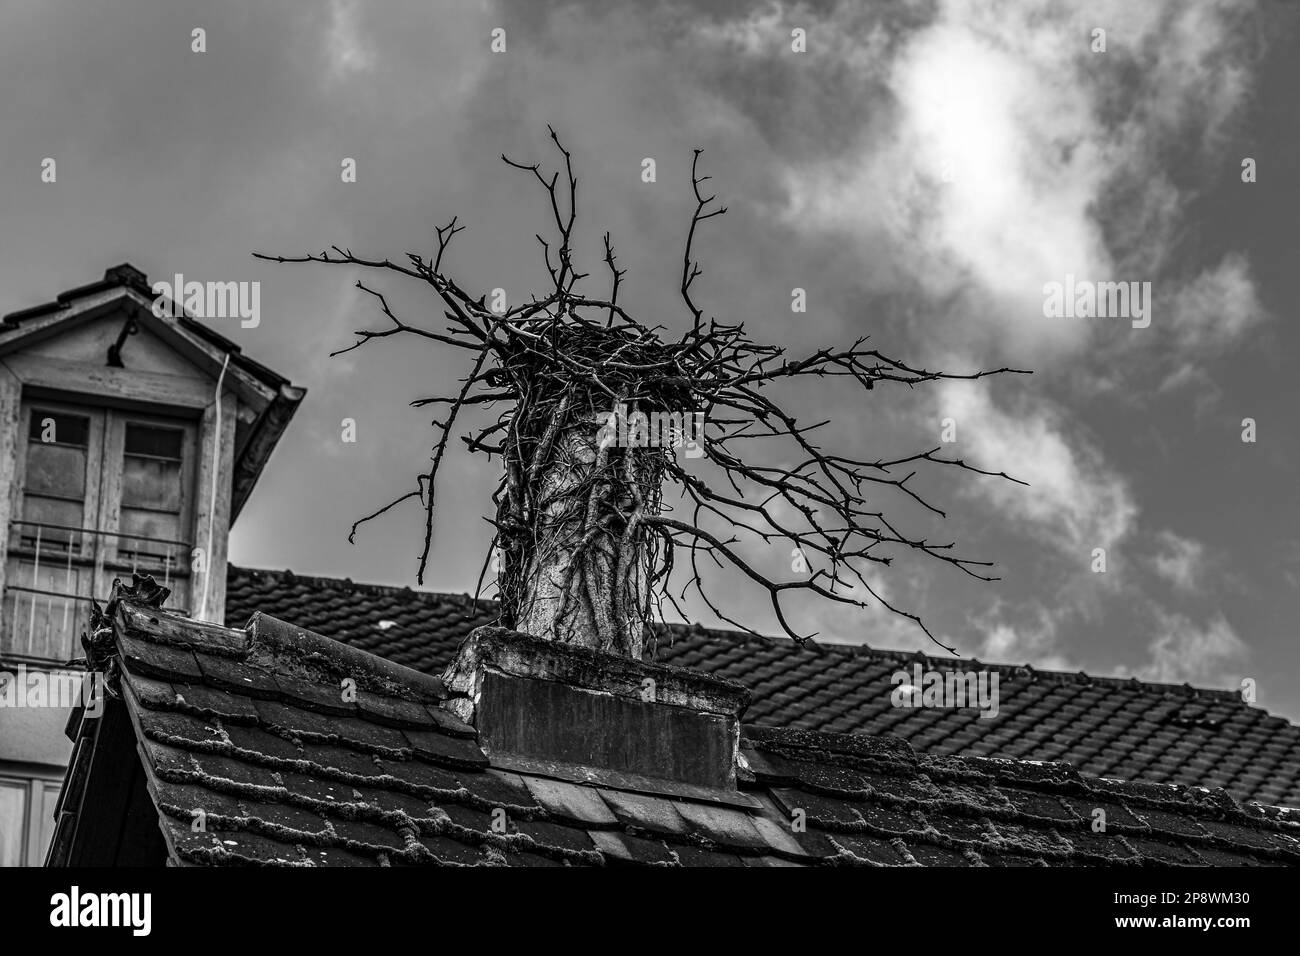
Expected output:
(576, 569)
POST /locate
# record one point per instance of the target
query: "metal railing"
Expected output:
(41, 613)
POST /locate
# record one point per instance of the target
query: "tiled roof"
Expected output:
(127, 276)
(1104, 727)
(249, 736)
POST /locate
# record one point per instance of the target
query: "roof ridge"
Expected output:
(1185, 690)
(1080, 677)
(1040, 775)
(269, 639)
(365, 586)
(128, 277)
(283, 654)
(125, 276)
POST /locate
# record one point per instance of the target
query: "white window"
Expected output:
(26, 818)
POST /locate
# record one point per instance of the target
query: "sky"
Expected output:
(923, 170)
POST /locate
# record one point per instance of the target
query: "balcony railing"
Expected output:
(51, 574)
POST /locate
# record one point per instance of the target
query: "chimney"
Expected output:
(578, 714)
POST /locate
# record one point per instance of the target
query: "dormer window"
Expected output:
(104, 492)
(127, 441)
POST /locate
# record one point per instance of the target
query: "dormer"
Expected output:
(129, 442)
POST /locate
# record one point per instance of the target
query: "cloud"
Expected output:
(1217, 307)
(1002, 152)
(1028, 634)
(875, 624)
(1074, 501)
(1180, 560)
(758, 34)
(968, 101)
(348, 53)
(1178, 650)
(1182, 652)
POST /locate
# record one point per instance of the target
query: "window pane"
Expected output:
(58, 428)
(151, 483)
(151, 528)
(40, 515)
(58, 470)
(152, 498)
(49, 512)
(150, 440)
(13, 822)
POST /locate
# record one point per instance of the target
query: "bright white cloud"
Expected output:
(1044, 140)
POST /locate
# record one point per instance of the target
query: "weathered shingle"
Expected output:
(1103, 726)
(262, 777)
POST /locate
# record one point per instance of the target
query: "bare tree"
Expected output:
(589, 543)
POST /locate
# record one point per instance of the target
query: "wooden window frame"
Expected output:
(107, 557)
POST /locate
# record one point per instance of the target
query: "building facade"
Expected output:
(129, 441)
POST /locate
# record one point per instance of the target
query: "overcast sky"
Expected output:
(922, 170)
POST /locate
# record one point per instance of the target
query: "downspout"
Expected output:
(212, 494)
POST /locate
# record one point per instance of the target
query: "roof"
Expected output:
(248, 755)
(272, 396)
(1105, 727)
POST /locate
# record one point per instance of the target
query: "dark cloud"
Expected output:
(828, 161)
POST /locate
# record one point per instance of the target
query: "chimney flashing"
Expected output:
(522, 655)
(624, 782)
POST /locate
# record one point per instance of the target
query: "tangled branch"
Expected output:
(558, 365)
